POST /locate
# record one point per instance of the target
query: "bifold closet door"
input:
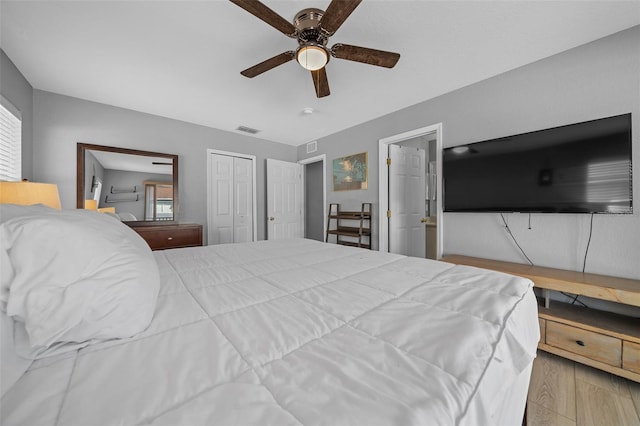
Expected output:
(231, 195)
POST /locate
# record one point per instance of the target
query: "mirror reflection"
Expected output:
(158, 200)
(137, 186)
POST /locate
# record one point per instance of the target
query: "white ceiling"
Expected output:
(132, 163)
(182, 59)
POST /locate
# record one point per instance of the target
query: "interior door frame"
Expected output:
(383, 184)
(317, 158)
(254, 197)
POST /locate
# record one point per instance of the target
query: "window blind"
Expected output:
(10, 142)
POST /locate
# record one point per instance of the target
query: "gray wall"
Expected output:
(17, 90)
(60, 122)
(595, 80)
(314, 209)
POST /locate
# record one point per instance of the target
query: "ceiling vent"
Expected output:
(247, 130)
(312, 147)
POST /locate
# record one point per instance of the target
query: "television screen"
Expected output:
(578, 168)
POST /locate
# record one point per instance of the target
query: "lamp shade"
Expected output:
(312, 57)
(28, 193)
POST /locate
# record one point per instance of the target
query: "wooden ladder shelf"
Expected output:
(353, 225)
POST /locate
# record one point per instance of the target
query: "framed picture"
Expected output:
(350, 172)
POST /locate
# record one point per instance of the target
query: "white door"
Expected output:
(230, 199)
(284, 200)
(242, 203)
(407, 181)
(221, 199)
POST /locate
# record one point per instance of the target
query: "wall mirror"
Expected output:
(141, 187)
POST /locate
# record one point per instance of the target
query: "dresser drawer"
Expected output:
(592, 345)
(171, 236)
(631, 356)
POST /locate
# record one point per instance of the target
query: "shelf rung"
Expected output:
(354, 244)
(350, 232)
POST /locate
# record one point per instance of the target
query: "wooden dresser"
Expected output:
(603, 340)
(160, 237)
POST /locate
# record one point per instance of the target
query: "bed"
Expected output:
(99, 330)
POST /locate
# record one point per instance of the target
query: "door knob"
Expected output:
(424, 220)
(271, 218)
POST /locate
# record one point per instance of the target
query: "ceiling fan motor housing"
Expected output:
(308, 18)
(307, 27)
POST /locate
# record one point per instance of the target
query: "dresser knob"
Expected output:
(580, 342)
(170, 238)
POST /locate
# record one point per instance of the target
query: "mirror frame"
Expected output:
(80, 179)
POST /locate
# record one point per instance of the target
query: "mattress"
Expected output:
(300, 332)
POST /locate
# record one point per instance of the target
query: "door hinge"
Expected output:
(388, 161)
(388, 213)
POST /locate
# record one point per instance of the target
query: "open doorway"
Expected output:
(410, 186)
(315, 215)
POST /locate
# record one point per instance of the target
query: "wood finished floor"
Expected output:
(563, 392)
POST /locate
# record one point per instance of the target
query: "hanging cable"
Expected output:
(574, 298)
(584, 263)
(514, 239)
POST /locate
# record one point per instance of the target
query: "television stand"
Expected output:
(604, 340)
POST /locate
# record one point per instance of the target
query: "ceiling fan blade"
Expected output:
(259, 10)
(365, 55)
(320, 82)
(268, 64)
(335, 15)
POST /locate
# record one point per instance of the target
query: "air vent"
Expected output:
(247, 130)
(312, 147)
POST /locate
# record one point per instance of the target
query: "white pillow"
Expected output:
(9, 211)
(77, 277)
(126, 216)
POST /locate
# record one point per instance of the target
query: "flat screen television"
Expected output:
(578, 168)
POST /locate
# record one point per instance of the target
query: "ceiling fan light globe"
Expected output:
(312, 58)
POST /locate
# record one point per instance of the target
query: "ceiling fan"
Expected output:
(312, 28)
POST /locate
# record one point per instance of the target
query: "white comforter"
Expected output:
(296, 332)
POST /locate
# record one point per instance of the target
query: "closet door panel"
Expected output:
(243, 200)
(221, 230)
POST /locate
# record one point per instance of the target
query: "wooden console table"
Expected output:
(604, 340)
